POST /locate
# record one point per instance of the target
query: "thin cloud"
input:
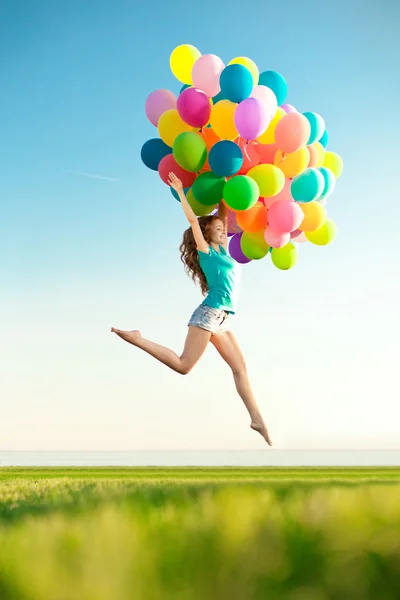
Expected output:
(93, 175)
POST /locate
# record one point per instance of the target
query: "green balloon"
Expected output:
(241, 192)
(200, 210)
(208, 188)
(285, 258)
(324, 235)
(253, 245)
(190, 151)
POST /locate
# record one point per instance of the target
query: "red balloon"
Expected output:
(267, 153)
(251, 156)
(168, 164)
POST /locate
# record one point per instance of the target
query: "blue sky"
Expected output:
(90, 237)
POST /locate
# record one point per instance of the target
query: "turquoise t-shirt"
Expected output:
(222, 273)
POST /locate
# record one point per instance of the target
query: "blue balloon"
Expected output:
(219, 96)
(175, 194)
(317, 125)
(324, 139)
(308, 186)
(330, 181)
(153, 151)
(225, 158)
(184, 87)
(276, 83)
(236, 83)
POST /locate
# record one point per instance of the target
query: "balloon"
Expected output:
(175, 193)
(269, 179)
(308, 186)
(317, 125)
(208, 189)
(321, 153)
(241, 192)
(223, 119)
(324, 235)
(284, 217)
(206, 72)
(314, 216)
(189, 150)
(333, 162)
(225, 158)
(194, 107)
(200, 210)
(236, 83)
(210, 138)
(298, 236)
(314, 156)
(284, 194)
(157, 103)
(253, 219)
(288, 108)
(170, 125)
(267, 97)
(168, 164)
(324, 139)
(182, 60)
(276, 83)
(235, 249)
(253, 245)
(267, 153)
(285, 258)
(233, 227)
(251, 156)
(249, 64)
(275, 239)
(292, 132)
(294, 163)
(184, 87)
(330, 182)
(251, 118)
(153, 151)
(268, 137)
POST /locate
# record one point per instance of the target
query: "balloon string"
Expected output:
(283, 158)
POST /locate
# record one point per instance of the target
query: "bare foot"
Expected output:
(132, 337)
(261, 428)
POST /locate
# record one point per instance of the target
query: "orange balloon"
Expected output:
(251, 156)
(314, 156)
(253, 219)
(267, 153)
(210, 138)
(314, 216)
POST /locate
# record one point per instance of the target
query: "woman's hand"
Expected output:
(174, 182)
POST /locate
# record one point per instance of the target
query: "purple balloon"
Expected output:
(236, 251)
(194, 107)
(251, 118)
(288, 108)
(157, 103)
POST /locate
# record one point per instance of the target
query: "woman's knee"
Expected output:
(239, 370)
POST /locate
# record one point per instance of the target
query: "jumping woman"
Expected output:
(204, 255)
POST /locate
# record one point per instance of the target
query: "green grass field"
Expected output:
(199, 533)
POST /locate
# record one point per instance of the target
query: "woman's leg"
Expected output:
(228, 348)
(196, 342)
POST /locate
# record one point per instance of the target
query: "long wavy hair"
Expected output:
(189, 255)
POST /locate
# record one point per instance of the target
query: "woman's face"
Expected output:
(217, 232)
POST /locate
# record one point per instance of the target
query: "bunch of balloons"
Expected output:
(230, 137)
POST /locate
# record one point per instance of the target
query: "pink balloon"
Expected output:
(205, 74)
(157, 103)
(288, 108)
(285, 217)
(285, 194)
(267, 97)
(275, 239)
(194, 107)
(298, 236)
(314, 156)
(251, 118)
(292, 132)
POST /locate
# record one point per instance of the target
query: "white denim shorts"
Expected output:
(210, 319)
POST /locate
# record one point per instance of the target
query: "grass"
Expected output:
(199, 533)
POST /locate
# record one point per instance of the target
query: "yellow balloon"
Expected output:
(253, 244)
(249, 64)
(314, 216)
(182, 60)
(268, 137)
(223, 119)
(294, 163)
(324, 235)
(321, 154)
(200, 210)
(170, 125)
(333, 162)
(269, 179)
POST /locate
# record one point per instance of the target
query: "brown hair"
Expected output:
(189, 255)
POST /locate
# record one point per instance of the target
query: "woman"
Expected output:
(203, 252)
